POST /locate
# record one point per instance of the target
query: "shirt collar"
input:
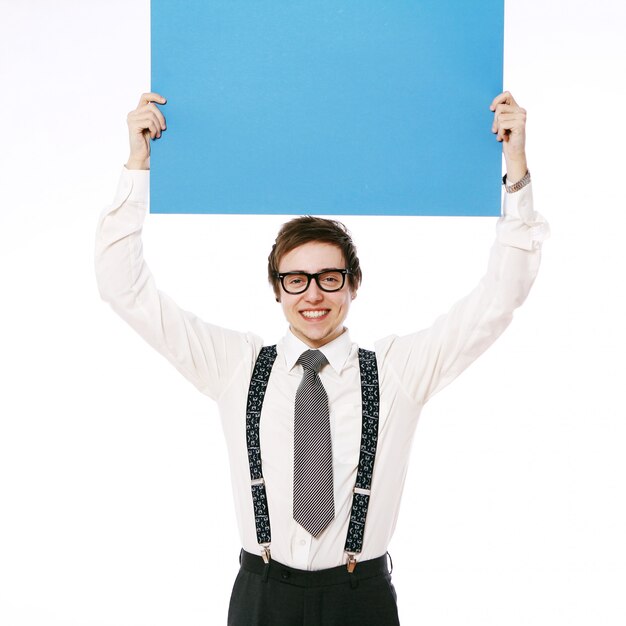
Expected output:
(337, 351)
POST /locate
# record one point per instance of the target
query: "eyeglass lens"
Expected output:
(326, 281)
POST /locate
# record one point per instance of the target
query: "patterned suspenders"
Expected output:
(369, 439)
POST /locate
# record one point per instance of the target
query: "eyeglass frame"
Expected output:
(281, 276)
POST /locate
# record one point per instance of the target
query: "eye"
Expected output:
(331, 280)
(295, 280)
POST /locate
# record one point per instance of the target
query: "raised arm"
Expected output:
(428, 360)
(205, 354)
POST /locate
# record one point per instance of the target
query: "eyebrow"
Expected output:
(326, 269)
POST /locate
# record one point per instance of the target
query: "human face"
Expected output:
(315, 316)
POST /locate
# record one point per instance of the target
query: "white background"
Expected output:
(115, 503)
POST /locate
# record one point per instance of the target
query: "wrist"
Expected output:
(135, 163)
(518, 185)
(516, 170)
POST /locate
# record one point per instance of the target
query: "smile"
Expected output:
(311, 315)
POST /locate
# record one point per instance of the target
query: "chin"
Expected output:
(311, 338)
(321, 337)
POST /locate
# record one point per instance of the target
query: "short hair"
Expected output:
(306, 229)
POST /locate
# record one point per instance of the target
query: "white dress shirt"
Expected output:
(412, 368)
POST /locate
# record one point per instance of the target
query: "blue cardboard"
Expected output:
(327, 106)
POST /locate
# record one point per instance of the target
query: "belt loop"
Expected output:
(354, 581)
(391, 562)
(240, 555)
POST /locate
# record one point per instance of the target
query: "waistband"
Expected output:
(317, 578)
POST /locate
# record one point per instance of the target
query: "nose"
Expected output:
(314, 293)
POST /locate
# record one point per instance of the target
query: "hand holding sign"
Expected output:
(509, 124)
(144, 123)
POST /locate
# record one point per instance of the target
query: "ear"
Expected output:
(353, 294)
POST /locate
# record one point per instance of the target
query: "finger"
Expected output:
(141, 116)
(155, 127)
(151, 128)
(505, 126)
(503, 98)
(148, 122)
(160, 117)
(511, 121)
(150, 109)
(147, 98)
(506, 109)
(510, 124)
(512, 118)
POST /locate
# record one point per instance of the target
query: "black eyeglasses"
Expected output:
(327, 280)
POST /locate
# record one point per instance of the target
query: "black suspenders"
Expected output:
(256, 395)
(369, 438)
(370, 403)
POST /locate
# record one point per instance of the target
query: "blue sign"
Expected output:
(322, 107)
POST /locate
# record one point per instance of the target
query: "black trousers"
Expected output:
(277, 595)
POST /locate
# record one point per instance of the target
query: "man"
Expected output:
(318, 431)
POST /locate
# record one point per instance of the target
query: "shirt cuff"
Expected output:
(521, 226)
(133, 186)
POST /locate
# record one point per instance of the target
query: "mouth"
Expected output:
(315, 314)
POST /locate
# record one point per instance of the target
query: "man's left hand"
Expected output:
(509, 124)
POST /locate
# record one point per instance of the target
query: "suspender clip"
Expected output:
(351, 563)
(265, 553)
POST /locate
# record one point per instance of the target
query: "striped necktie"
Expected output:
(313, 501)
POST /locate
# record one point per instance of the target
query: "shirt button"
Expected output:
(302, 542)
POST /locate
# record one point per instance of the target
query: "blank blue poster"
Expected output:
(324, 107)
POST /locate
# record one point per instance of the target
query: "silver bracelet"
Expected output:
(520, 184)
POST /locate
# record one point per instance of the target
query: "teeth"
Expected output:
(314, 314)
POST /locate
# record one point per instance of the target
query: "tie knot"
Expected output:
(312, 360)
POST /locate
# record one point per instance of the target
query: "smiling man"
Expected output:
(318, 430)
(309, 263)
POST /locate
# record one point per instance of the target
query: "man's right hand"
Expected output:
(146, 122)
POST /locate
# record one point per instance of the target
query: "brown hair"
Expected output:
(305, 229)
